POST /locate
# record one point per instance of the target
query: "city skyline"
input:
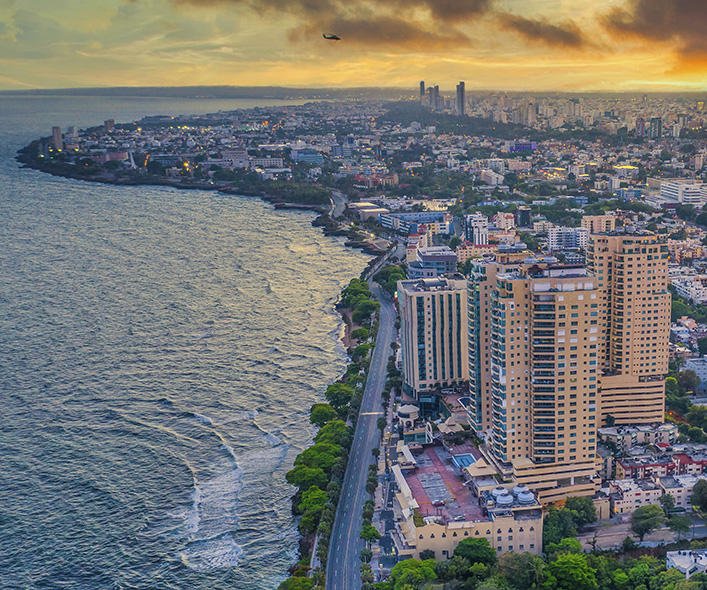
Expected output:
(540, 45)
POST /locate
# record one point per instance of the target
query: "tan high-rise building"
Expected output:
(598, 224)
(433, 333)
(534, 339)
(631, 268)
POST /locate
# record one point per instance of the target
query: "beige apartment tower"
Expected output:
(534, 345)
(632, 272)
(433, 333)
(599, 224)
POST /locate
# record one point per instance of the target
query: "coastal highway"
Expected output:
(343, 571)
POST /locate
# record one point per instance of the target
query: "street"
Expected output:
(343, 571)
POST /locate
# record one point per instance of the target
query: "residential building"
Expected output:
(567, 238)
(631, 268)
(680, 488)
(435, 511)
(627, 494)
(433, 314)
(687, 561)
(477, 229)
(533, 346)
(57, 139)
(432, 262)
(699, 366)
(599, 224)
(504, 221)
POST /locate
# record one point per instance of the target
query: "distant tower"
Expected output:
(532, 114)
(461, 99)
(422, 91)
(640, 127)
(57, 139)
(656, 128)
(109, 125)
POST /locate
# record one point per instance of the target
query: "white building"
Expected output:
(687, 192)
(680, 488)
(628, 494)
(477, 229)
(504, 221)
(567, 238)
(687, 561)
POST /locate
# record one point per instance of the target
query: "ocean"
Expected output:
(159, 352)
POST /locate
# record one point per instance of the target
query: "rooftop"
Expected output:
(435, 480)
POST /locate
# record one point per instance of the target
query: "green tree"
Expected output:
(524, 571)
(412, 574)
(646, 519)
(667, 501)
(305, 477)
(313, 500)
(688, 380)
(366, 555)
(381, 423)
(699, 495)
(702, 342)
(370, 534)
(360, 334)
(476, 551)
(571, 572)
(680, 525)
(427, 554)
(338, 395)
(335, 432)
(297, 583)
(558, 525)
(582, 509)
(320, 414)
(320, 456)
(565, 546)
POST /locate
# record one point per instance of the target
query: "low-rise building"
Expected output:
(680, 488)
(435, 510)
(628, 494)
(687, 561)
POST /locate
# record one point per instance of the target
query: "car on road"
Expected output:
(438, 503)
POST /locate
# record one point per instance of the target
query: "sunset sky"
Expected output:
(608, 45)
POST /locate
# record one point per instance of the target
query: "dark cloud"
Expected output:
(682, 22)
(388, 32)
(373, 23)
(565, 34)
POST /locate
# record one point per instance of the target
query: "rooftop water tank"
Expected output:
(526, 498)
(519, 489)
(499, 491)
(505, 499)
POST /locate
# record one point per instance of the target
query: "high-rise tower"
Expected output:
(461, 99)
(632, 271)
(422, 91)
(533, 349)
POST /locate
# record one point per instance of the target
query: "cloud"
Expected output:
(395, 25)
(680, 22)
(566, 34)
(383, 31)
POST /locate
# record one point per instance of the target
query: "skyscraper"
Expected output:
(533, 345)
(632, 270)
(640, 127)
(461, 99)
(422, 91)
(433, 333)
(57, 138)
(656, 128)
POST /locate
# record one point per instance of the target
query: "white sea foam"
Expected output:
(210, 554)
(203, 419)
